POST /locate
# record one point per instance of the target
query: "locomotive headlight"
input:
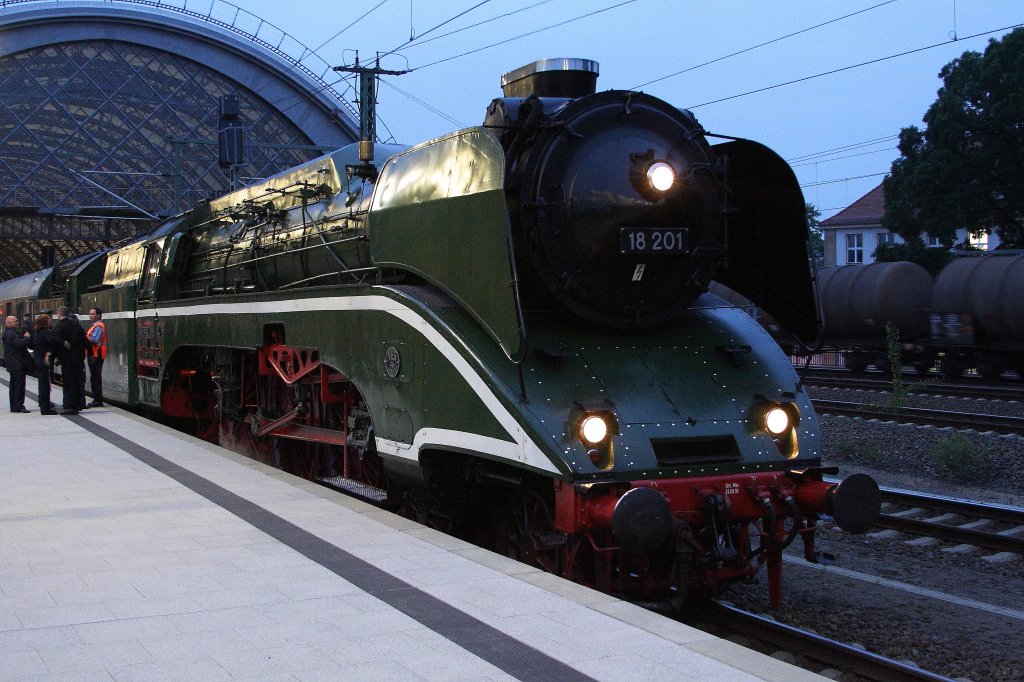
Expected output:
(593, 429)
(661, 176)
(595, 425)
(776, 421)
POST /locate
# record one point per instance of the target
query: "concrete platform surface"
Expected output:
(129, 551)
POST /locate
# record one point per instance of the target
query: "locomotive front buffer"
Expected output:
(713, 530)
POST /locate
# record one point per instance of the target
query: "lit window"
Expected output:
(980, 241)
(855, 248)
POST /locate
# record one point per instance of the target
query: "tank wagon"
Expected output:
(977, 320)
(968, 318)
(859, 301)
(506, 333)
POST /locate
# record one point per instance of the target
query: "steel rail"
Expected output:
(914, 415)
(968, 508)
(821, 649)
(914, 384)
(997, 512)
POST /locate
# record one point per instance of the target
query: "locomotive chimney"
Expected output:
(564, 77)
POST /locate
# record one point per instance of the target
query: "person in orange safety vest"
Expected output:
(97, 352)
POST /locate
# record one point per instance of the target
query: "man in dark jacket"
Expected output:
(71, 353)
(44, 343)
(17, 360)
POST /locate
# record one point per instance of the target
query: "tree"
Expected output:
(966, 169)
(932, 260)
(817, 241)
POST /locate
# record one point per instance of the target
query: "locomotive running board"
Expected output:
(353, 487)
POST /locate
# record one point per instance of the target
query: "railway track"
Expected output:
(915, 415)
(912, 383)
(827, 652)
(954, 520)
(945, 518)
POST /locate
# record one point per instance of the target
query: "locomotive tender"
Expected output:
(506, 332)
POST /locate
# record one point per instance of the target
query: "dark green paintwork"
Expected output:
(439, 210)
(118, 304)
(669, 384)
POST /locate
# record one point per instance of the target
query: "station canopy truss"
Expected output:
(109, 116)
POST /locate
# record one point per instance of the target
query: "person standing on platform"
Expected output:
(81, 384)
(97, 335)
(71, 353)
(44, 342)
(17, 360)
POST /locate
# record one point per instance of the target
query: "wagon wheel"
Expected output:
(368, 466)
(991, 366)
(883, 363)
(856, 364)
(951, 369)
(528, 530)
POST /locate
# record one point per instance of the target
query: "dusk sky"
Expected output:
(709, 57)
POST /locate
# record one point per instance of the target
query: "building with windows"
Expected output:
(852, 235)
(109, 116)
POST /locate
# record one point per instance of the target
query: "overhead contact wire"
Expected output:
(466, 28)
(760, 45)
(854, 66)
(524, 35)
(365, 14)
(844, 148)
(827, 159)
(434, 28)
(854, 177)
(424, 104)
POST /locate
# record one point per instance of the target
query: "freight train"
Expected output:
(967, 319)
(505, 332)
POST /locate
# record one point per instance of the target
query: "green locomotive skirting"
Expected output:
(522, 449)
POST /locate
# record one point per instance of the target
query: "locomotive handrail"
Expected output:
(325, 275)
(281, 253)
(328, 246)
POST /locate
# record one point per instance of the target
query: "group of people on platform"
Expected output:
(65, 342)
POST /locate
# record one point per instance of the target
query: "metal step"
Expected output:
(352, 487)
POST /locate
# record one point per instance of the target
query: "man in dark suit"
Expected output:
(17, 361)
(71, 342)
(44, 342)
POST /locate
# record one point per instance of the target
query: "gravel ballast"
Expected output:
(954, 639)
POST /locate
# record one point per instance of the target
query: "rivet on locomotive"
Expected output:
(507, 333)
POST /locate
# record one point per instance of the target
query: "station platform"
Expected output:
(129, 551)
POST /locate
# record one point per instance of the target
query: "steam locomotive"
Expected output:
(967, 319)
(505, 332)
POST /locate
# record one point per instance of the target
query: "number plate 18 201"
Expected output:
(653, 240)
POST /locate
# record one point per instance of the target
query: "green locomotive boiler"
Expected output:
(506, 332)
